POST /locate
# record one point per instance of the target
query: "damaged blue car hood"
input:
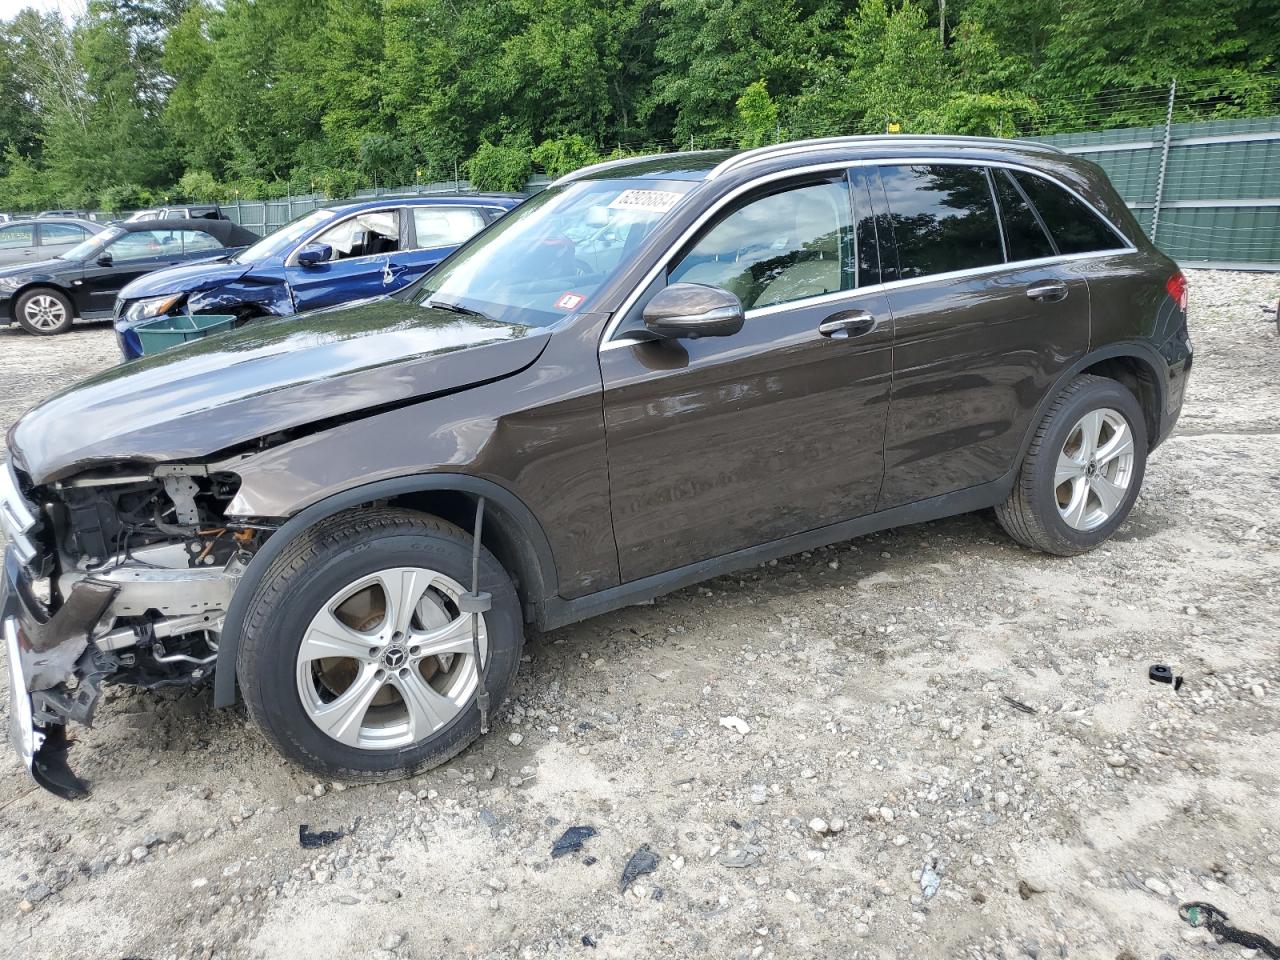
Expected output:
(216, 394)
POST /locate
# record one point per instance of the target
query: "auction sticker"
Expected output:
(657, 201)
(569, 301)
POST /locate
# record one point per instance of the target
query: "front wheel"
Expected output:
(1083, 471)
(356, 660)
(44, 312)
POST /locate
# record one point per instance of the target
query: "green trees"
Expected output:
(173, 97)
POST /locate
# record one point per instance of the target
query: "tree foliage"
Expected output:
(213, 99)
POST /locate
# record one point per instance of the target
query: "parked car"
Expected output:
(28, 241)
(77, 214)
(205, 211)
(350, 516)
(324, 258)
(46, 296)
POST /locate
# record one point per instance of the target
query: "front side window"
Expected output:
(1075, 228)
(547, 258)
(145, 243)
(445, 226)
(1023, 233)
(943, 218)
(364, 235)
(51, 233)
(18, 235)
(789, 245)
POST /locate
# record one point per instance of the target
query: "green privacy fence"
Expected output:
(1208, 193)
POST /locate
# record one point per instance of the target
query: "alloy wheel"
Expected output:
(388, 660)
(1095, 467)
(45, 312)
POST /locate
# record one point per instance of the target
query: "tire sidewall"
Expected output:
(20, 310)
(270, 677)
(1106, 394)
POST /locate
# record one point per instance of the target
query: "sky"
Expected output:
(10, 7)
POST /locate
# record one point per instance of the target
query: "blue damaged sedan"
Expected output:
(330, 256)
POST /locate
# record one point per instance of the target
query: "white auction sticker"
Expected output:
(657, 201)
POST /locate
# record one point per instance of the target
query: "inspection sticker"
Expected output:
(657, 201)
(570, 301)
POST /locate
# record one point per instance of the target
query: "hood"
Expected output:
(185, 278)
(37, 269)
(215, 394)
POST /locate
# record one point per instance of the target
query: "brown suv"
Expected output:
(654, 372)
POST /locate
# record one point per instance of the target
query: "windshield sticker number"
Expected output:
(655, 201)
(570, 301)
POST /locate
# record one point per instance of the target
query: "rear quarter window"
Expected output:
(943, 218)
(1075, 227)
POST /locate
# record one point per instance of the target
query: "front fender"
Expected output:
(538, 566)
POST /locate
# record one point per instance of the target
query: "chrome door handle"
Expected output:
(849, 323)
(1050, 292)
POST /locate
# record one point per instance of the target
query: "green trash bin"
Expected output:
(162, 333)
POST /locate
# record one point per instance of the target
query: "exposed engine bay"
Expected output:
(135, 572)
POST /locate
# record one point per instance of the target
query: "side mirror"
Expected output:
(104, 259)
(314, 253)
(693, 310)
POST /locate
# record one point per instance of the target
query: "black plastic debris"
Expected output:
(571, 841)
(310, 839)
(1206, 915)
(1017, 704)
(1163, 673)
(588, 940)
(641, 862)
(589, 861)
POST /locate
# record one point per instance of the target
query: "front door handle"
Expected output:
(849, 323)
(1050, 292)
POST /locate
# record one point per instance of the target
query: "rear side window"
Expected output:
(1023, 232)
(943, 218)
(194, 241)
(788, 245)
(1075, 228)
(445, 226)
(51, 233)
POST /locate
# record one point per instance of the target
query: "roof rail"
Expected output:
(597, 167)
(803, 146)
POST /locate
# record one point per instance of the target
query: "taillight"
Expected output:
(1177, 287)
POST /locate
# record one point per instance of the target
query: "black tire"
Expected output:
(307, 574)
(1030, 514)
(26, 304)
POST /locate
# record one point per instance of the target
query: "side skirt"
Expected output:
(558, 612)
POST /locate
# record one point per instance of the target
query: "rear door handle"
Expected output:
(849, 323)
(1050, 292)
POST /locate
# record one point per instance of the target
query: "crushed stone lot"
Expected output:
(926, 743)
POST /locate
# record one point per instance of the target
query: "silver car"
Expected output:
(27, 241)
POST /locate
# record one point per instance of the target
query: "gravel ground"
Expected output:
(944, 746)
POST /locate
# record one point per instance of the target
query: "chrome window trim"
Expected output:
(606, 338)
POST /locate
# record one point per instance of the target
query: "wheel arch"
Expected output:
(1133, 364)
(26, 288)
(511, 532)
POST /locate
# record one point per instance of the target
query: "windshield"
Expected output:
(546, 258)
(275, 244)
(90, 247)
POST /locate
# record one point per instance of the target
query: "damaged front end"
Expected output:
(116, 575)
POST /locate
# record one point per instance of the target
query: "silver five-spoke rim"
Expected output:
(388, 660)
(1095, 467)
(45, 312)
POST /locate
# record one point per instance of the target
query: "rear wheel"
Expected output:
(356, 660)
(1082, 472)
(44, 311)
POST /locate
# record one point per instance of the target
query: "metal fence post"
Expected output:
(1164, 159)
